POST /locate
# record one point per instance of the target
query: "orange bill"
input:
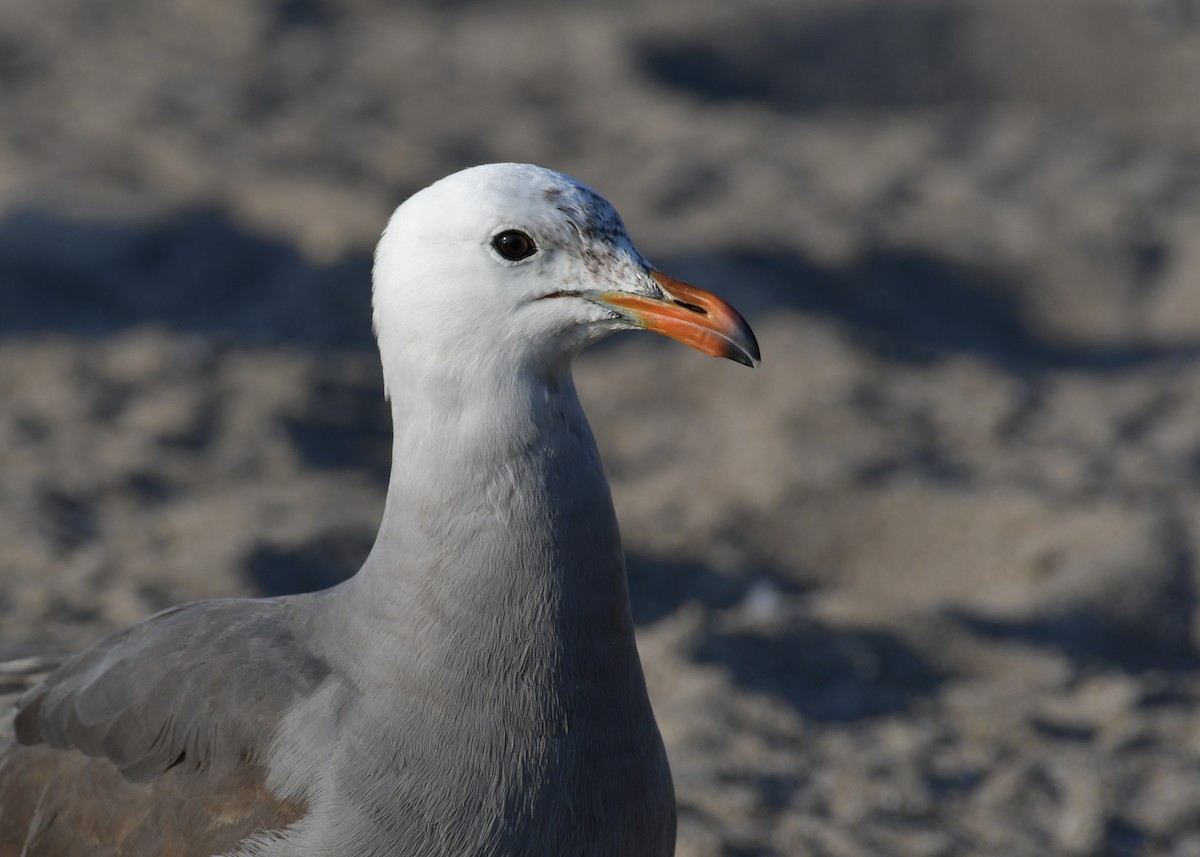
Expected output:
(692, 316)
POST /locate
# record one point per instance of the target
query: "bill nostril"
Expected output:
(692, 307)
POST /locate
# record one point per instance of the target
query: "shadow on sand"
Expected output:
(869, 56)
(825, 673)
(200, 273)
(916, 308)
(196, 272)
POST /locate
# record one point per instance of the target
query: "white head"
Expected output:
(520, 266)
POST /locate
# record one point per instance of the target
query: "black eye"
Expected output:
(514, 245)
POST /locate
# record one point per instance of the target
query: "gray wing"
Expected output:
(150, 742)
(202, 685)
(17, 677)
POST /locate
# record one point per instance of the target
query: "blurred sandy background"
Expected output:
(924, 585)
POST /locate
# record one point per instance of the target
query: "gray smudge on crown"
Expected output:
(600, 231)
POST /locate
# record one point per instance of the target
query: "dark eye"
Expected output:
(514, 245)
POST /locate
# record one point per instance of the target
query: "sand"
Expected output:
(925, 584)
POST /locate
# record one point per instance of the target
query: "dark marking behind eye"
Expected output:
(692, 307)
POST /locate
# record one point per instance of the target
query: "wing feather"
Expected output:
(150, 742)
(204, 685)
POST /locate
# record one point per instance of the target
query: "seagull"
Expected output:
(475, 689)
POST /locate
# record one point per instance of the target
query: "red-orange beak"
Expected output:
(692, 316)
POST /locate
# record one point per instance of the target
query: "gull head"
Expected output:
(523, 266)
